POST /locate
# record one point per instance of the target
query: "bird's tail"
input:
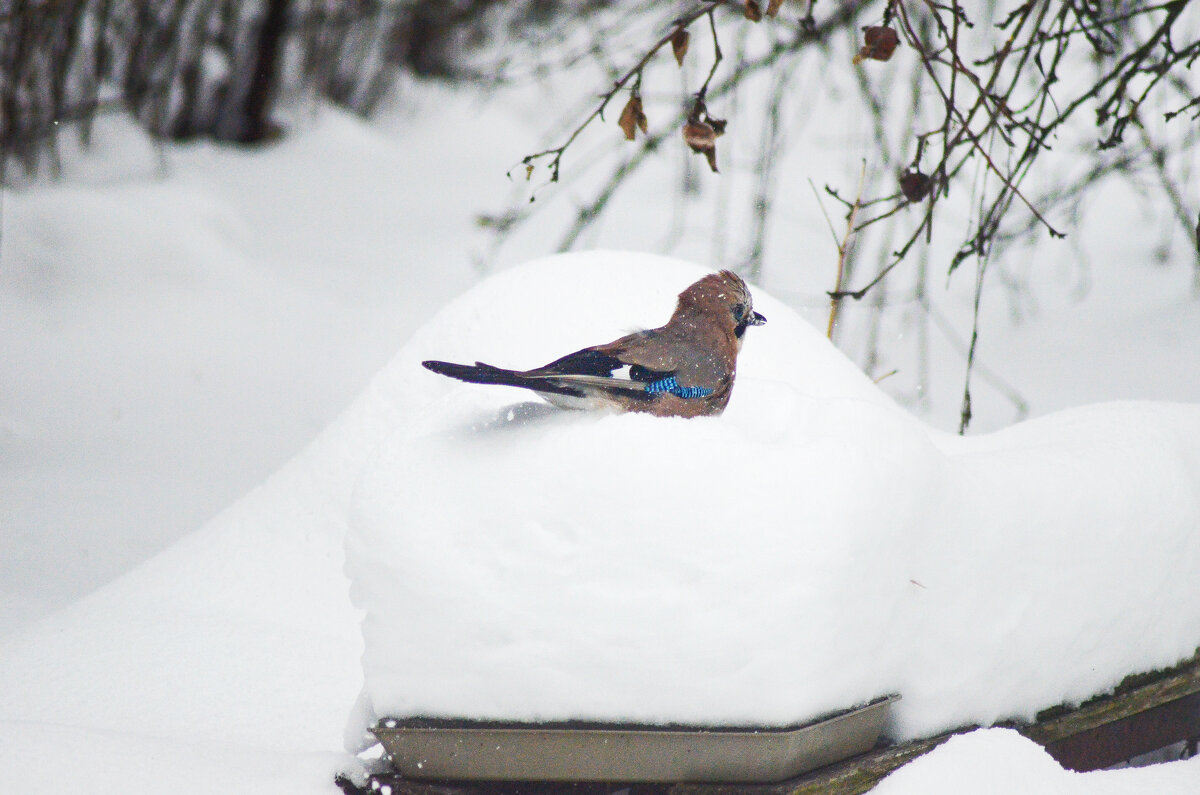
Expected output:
(480, 373)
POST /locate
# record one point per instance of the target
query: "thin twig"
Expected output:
(556, 153)
(843, 247)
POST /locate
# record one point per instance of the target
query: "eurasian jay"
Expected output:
(683, 369)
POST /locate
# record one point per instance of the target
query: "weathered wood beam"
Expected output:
(1140, 717)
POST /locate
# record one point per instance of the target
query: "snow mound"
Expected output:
(1056, 559)
(1001, 762)
(810, 549)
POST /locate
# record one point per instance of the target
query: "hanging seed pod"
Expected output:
(679, 44)
(915, 185)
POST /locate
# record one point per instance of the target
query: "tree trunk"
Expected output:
(247, 115)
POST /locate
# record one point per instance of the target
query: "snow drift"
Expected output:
(810, 549)
(1001, 762)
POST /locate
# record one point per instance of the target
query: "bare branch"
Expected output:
(708, 7)
(843, 247)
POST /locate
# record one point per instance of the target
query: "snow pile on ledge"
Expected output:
(1002, 762)
(810, 549)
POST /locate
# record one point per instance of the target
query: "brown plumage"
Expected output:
(684, 368)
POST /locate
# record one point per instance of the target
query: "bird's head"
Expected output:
(724, 296)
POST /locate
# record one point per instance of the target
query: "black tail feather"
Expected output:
(481, 373)
(478, 373)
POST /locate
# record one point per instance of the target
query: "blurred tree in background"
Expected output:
(1018, 109)
(992, 123)
(216, 68)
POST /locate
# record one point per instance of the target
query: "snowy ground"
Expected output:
(184, 322)
(1000, 762)
(957, 567)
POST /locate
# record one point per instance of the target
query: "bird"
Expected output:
(684, 368)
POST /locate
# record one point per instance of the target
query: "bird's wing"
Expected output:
(589, 361)
(649, 355)
(696, 354)
(598, 381)
(606, 368)
(574, 374)
(607, 365)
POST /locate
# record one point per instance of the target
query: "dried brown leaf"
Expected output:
(699, 135)
(702, 139)
(632, 118)
(773, 7)
(753, 11)
(679, 44)
(879, 43)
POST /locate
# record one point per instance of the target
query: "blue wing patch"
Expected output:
(670, 385)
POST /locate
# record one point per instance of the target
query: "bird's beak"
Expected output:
(757, 319)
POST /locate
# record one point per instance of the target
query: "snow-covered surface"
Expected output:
(812, 548)
(181, 335)
(1002, 762)
(174, 338)
(183, 321)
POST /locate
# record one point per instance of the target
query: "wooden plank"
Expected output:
(1140, 717)
(1137, 734)
(396, 785)
(1137, 694)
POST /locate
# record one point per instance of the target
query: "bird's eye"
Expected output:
(739, 312)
